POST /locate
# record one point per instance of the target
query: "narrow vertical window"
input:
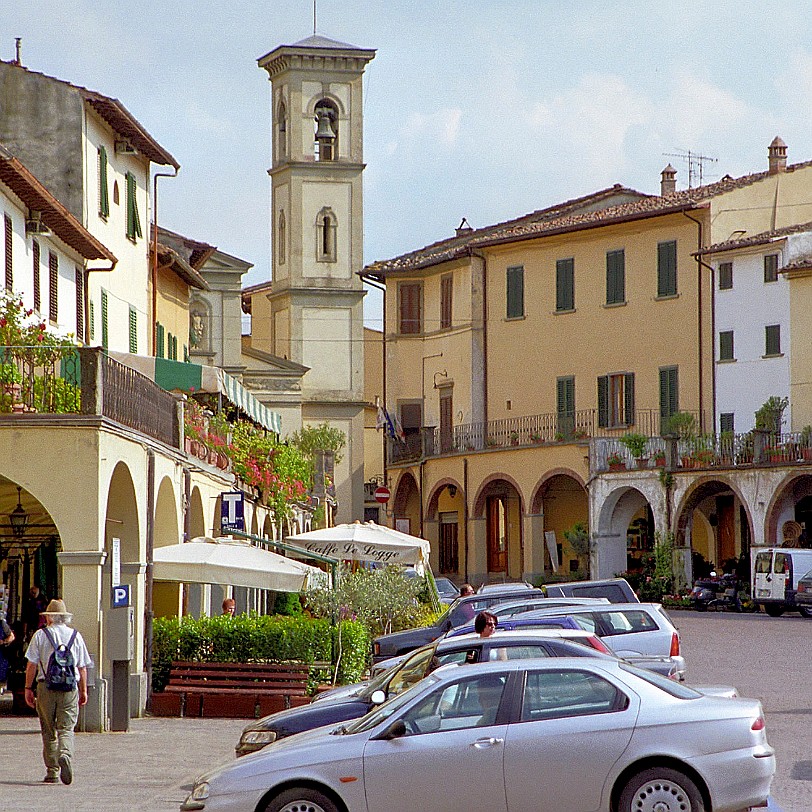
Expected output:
(669, 394)
(91, 313)
(281, 131)
(771, 268)
(410, 307)
(133, 218)
(446, 301)
(104, 198)
(565, 405)
(616, 400)
(515, 292)
(133, 331)
(725, 276)
(772, 339)
(726, 421)
(281, 246)
(726, 345)
(105, 333)
(7, 241)
(159, 340)
(615, 277)
(667, 268)
(53, 287)
(326, 225)
(565, 284)
(80, 302)
(36, 259)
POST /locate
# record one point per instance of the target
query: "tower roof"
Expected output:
(283, 56)
(318, 41)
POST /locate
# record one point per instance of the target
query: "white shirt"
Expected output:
(39, 649)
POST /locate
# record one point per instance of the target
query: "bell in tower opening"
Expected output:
(326, 143)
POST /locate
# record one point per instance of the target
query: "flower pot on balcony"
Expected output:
(222, 460)
(641, 462)
(806, 454)
(617, 466)
(212, 457)
(689, 462)
(659, 461)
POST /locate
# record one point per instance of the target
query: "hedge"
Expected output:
(259, 638)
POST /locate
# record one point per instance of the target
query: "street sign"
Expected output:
(382, 494)
(121, 595)
(232, 511)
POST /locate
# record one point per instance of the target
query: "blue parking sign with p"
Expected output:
(232, 511)
(121, 595)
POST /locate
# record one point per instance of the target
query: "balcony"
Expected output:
(40, 382)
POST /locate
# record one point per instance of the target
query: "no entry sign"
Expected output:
(382, 494)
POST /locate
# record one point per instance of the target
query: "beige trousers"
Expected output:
(58, 713)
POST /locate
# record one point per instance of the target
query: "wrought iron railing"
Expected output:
(37, 379)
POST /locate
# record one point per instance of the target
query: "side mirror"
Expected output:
(378, 697)
(394, 730)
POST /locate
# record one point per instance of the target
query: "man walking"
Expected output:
(57, 694)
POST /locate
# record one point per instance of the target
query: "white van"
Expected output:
(775, 579)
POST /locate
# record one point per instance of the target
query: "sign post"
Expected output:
(232, 511)
(382, 494)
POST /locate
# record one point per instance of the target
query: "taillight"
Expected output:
(758, 724)
(376, 648)
(598, 644)
(674, 645)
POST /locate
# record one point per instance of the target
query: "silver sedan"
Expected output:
(517, 736)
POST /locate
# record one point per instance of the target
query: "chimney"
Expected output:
(668, 181)
(463, 228)
(778, 156)
(18, 46)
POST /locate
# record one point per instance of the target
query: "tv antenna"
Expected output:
(696, 164)
(314, 18)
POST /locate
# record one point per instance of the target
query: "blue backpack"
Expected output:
(60, 675)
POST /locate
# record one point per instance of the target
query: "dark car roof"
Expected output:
(523, 622)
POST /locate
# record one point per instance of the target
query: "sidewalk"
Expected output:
(150, 768)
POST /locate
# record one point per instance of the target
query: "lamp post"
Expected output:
(18, 518)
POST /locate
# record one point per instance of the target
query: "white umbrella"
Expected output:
(365, 542)
(206, 560)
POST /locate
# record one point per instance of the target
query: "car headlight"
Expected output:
(194, 800)
(258, 737)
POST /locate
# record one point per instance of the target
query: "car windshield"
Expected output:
(676, 689)
(383, 712)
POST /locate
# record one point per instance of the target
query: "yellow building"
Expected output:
(518, 354)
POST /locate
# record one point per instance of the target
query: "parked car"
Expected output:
(775, 580)
(803, 596)
(350, 702)
(615, 590)
(446, 590)
(630, 629)
(516, 607)
(522, 735)
(503, 586)
(462, 611)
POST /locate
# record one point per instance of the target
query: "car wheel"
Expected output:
(661, 790)
(805, 612)
(774, 609)
(301, 799)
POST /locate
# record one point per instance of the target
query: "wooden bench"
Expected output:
(231, 690)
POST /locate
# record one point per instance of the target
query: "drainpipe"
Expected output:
(150, 546)
(86, 296)
(154, 263)
(700, 360)
(465, 510)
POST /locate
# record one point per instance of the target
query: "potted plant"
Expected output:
(636, 443)
(514, 438)
(581, 434)
(616, 462)
(659, 458)
(559, 437)
(536, 438)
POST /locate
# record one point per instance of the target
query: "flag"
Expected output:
(380, 420)
(397, 430)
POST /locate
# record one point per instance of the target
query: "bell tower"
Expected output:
(312, 313)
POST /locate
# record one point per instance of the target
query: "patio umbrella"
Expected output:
(206, 560)
(365, 542)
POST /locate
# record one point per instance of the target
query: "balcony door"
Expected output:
(446, 420)
(497, 529)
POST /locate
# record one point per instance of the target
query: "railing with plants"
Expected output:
(39, 379)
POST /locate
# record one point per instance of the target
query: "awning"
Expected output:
(365, 542)
(226, 561)
(179, 376)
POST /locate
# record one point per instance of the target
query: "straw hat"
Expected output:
(57, 608)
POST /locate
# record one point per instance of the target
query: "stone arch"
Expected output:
(443, 526)
(447, 483)
(487, 484)
(784, 506)
(406, 504)
(713, 519)
(610, 554)
(499, 528)
(168, 529)
(269, 528)
(197, 516)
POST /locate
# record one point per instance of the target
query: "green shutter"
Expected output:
(515, 292)
(133, 220)
(565, 402)
(92, 314)
(615, 277)
(628, 399)
(159, 340)
(772, 342)
(667, 268)
(565, 284)
(133, 331)
(104, 325)
(726, 345)
(669, 394)
(104, 199)
(603, 401)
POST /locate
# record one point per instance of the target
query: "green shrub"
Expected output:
(287, 603)
(258, 638)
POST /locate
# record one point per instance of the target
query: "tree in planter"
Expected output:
(323, 437)
(636, 443)
(578, 539)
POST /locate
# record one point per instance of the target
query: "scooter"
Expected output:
(716, 592)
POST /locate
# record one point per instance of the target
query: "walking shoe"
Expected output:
(50, 779)
(65, 770)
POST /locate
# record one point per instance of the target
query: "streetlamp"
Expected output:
(18, 518)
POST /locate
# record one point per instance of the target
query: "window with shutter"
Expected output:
(36, 259)
(446, 300)
(725, 275)
(669, 393)
(603, 401)
(772, 335)
(565, 405)
(615, 277)
(169, 344)
(133, 219)
(565, 284)
(667, 268)
(628, 399)
(726, 345)
(105, 333)
(616, 400)
(159, 340)
(80, 302)
(7, 240)
(104, 198)
(771, 268)
(515, 292)
(133, 330)
(726, 422)
(410, 295)
(53, 287)
(91, 312)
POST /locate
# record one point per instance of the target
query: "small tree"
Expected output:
(578, 538)
(770, 415)
(323, 437)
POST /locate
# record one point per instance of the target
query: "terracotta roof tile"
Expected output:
(754, 239)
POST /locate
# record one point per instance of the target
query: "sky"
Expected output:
(485, 109)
